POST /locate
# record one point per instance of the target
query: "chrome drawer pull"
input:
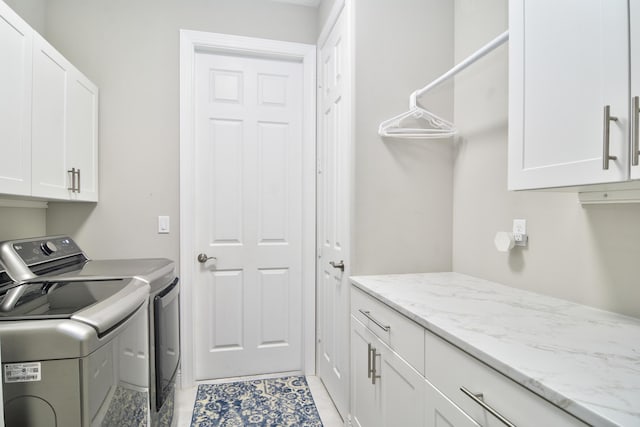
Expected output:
(608, 118)
(369, 370)
(635, 130)
(478, 399)
(374, 371)
(72, 171)
(368, 315)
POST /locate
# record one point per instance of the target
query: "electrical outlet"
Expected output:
(520, 232)
(519, 226)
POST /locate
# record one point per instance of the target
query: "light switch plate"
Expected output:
(164, 225)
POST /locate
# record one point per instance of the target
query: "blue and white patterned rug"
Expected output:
(283, 401)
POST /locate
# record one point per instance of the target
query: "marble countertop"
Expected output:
(582, 359)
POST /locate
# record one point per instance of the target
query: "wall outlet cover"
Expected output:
(519, 226)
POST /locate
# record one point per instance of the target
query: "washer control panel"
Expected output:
(35, 251)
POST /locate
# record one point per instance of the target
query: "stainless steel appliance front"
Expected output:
(61, 371)
(92, 342)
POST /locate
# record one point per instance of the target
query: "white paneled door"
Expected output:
(334, 154)
(248, 300)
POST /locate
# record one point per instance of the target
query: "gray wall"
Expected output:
(324, 9)
(18, 223)
(32, 11)
(589, 255)
(403, 189)
(130, 50)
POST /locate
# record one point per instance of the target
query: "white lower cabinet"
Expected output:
(365, 396)
(441, 412)
(385, 389)
(451, 370)
(449, 389)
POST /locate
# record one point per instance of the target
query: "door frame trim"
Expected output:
(192, 42)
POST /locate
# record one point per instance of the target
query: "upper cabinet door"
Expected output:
(569, 59)
(634, 20)
(15, 103)
(82, 136)
(50, 79)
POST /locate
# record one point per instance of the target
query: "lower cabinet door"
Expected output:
(385, 390)
(402, 391)
(365, 395)
(441, 412)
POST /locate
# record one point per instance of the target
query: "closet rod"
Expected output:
(462, 65)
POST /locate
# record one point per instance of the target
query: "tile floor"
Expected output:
(330, 418)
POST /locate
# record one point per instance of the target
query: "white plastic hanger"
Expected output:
(418, 123)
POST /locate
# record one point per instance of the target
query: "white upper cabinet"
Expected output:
(50, 141)
(634, 19)
(64, 128)
(568, 67)
(15, 103)
(82, 136)
(50, 76)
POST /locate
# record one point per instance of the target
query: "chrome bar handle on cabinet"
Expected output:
(368, 315)
(78, 172)
(374, 371)
(635, 130)
(478, 399)
(72, 171)
(608, 118)
(369, 348)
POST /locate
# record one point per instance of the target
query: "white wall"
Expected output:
(130, 50)
(403, 189)
(589, 255)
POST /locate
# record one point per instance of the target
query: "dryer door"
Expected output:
(166, 315)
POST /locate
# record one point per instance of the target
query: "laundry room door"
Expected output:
(334, 199)
(248, 203)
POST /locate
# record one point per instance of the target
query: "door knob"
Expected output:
(202, 258)
(339, 264)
